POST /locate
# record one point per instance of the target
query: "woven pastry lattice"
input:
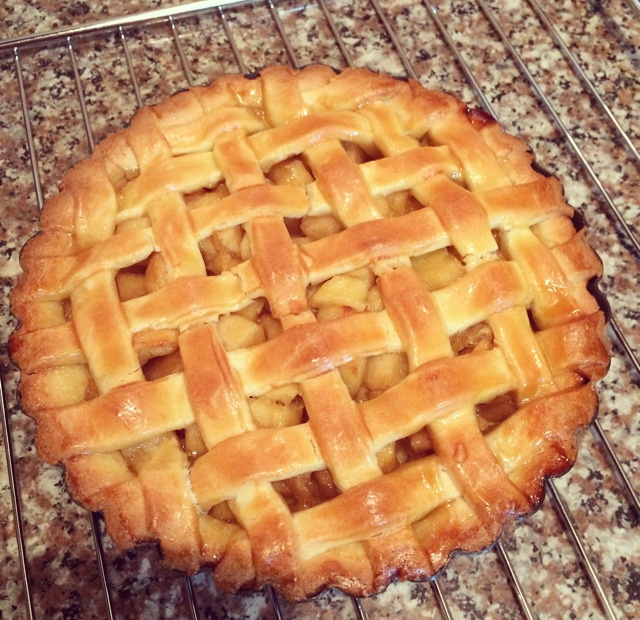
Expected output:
(309, 329)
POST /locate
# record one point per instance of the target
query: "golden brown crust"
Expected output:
(311, 329)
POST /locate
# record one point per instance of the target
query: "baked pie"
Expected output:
(309, 329)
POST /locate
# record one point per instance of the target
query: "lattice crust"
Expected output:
(309, 329)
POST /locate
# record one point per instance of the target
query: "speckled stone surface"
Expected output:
(63, 575)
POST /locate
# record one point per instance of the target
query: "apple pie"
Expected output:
(310, 329)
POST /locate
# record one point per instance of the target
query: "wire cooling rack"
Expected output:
(563, 76)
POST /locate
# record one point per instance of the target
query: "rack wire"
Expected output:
(564, 559)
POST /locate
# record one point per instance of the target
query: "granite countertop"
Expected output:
(64, 576)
